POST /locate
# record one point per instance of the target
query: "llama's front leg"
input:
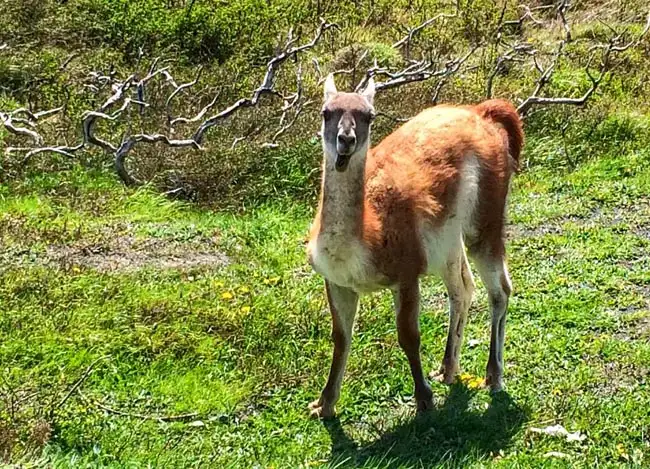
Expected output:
(343, 304)
(407, 300)
(460, 287)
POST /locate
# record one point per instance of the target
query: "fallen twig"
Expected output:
(162, 418)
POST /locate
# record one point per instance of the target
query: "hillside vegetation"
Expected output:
(56, 50)
(176, 323)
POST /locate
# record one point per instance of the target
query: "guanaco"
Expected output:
(415, 204)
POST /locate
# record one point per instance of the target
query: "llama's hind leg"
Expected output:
(494, 274)
(457, 277)
(343, 304)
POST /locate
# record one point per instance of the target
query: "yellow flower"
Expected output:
(76, 269)
(226, 295)
(476, 383)
(271, 281)
(465, 378)
(472, 382)
(622, 452)
(557, 392)
(245, 309)
(219, 284)
(244, 289)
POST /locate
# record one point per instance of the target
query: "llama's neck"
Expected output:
(342, 197)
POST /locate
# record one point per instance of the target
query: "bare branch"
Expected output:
(64, 150)
(636, 41)
(561, 13)
(293, 103)
(406, 40)
(38, 115)
(7, 121)
(67, 61)
(129, 143)
(512, 55)
(419, 71)
(346, 71)
(393, 118)
(199, 116)
(436, 93)
(79, 382)
(267, 83)
(605, 65)
(179, 88)
(253, 130)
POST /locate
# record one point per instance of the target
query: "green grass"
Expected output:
(245, 345)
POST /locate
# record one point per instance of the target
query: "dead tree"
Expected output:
(131, 92)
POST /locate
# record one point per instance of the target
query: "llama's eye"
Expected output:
(326, 113)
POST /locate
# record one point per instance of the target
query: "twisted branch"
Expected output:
(406, 40)
(613, 46)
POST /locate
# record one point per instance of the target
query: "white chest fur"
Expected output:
(342, 260)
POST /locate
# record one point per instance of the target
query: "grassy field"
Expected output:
(136, 330)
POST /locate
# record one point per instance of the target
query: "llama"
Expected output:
(432, 191)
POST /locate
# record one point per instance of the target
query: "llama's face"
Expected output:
(346, 123)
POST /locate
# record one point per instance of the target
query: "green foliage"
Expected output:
(201, 29)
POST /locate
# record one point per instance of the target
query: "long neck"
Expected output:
(342, 196)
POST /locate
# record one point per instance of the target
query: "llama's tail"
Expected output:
(504, 113)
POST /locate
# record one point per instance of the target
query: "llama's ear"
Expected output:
(330, 87)
(369, 91)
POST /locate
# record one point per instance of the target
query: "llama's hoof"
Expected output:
(424, 405)
(494, 383)
(443, 376)
(321, 410)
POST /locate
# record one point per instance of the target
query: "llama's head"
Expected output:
(346, 123)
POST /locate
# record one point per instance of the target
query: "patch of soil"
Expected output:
(520, 231)
(636, 216)
(636, 318)
(126, 253)
(637, 329)
(619, 377)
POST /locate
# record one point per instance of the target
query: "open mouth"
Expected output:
(342, 162)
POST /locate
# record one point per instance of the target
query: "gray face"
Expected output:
(346, 125)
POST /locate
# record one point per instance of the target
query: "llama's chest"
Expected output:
(343, 261)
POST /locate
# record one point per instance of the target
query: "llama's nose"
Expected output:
(346, 143)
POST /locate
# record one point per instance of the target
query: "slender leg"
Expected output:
(460, 287)
(494, 273)
(407, 300)
(343, 305)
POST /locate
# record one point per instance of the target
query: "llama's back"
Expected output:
(455, 163)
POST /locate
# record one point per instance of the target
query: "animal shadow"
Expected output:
(452, 433)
